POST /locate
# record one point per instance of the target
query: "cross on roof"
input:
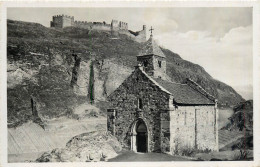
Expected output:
(151, 31)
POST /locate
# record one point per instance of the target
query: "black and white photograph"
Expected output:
(129, 84)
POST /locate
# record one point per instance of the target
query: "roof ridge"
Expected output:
(198, 88)
(192, 88)
(156, 83)
(153, 44)
(176, 88)
(174, 82)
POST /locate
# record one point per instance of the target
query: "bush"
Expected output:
(242, 155)
(190, 152)
(187, 152)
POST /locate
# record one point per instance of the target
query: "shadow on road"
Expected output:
(129, 156)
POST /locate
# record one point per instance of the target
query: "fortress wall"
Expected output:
(115, 23)
(61, 21)
(93, 25)
(139, 38)
(126, 33)
(83, 24)
(123, 26)
(67, 22)
(57, 21)
(103, 26)
(117, 27)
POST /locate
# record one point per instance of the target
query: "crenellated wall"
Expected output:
(62, 21)
(119, 25)
(93, 25)
(116, 27)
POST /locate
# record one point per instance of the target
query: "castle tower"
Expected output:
(61, 21)
(152, 59)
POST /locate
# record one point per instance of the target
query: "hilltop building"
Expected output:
(62, 21)
(149, 113)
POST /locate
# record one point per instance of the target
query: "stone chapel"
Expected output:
(149, 113)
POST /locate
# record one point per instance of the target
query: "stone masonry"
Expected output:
(125, 102)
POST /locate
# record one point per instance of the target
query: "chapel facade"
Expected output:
(149, 113)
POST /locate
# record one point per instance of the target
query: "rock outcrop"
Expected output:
(87, 147)
(242, 117)
(242, 121)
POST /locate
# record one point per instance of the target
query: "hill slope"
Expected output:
(42, 63)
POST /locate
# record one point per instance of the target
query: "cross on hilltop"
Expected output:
(151, 31)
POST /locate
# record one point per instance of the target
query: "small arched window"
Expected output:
(145, 63)
(140, 103)
(160, 63)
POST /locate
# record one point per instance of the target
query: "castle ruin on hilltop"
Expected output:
(62, 21)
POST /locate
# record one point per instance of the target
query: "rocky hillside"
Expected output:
(242, 117)
(53, 67)
(242, 121)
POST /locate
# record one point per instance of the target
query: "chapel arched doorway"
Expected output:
(140, 137)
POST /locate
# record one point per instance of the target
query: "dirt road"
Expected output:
(129, 156)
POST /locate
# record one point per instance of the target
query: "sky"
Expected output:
(218, 39)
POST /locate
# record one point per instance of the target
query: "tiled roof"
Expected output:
(151, 48)
(183, 93)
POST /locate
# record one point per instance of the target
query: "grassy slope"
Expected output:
(52, 79)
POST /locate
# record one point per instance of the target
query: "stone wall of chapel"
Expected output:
(125, 101)
(190, 131)
(206, 128)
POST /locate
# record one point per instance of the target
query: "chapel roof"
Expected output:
(183, 93)
(151, 48)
